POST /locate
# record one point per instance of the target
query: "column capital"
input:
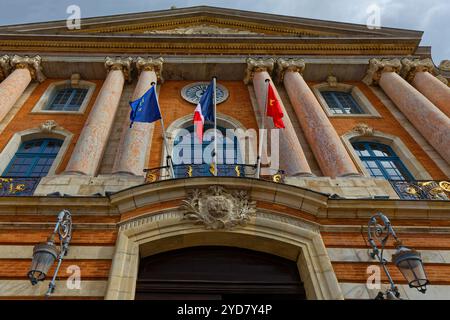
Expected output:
(444, 65)
(4, 66)
(150, 64)
(120, 63)
(34, 65)
(258, 65)
(294, 65)
(411, 67)
(378, 66)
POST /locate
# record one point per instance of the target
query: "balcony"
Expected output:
(18, 186)
(422, 190)
(206, 170)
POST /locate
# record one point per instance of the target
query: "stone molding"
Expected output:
(293, 65)
(4, 66)
(258, 65)
(411, 67)
(150, 64)
(378, 66)
(120, 63)
(34, 65)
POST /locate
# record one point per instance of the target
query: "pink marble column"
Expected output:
(420, 74)
(290, 151)
(435, 90)
(431, 122)
(135, 141)
(25, 69)
(330, 153)
(91, 144)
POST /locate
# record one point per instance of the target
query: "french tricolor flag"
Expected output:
(204, 110)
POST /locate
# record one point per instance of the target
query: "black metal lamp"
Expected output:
(45, 254)
(407, 260)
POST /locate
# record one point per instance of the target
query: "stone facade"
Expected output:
(313, 211)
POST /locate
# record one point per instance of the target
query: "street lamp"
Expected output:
(45, 254)
(407, 260)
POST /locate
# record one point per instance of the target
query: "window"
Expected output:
(200, 168)
(381, 161)
(34, 158)
(67, 99)
(341, 102)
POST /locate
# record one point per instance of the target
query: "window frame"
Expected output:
(50, 93)
(377, 159)
(368, 110)
(36, 156)
(68, 102)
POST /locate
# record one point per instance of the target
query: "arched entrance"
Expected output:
(218, 273)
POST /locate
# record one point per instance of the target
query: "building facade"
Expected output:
(367, 130)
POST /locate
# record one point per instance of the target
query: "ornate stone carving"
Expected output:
(75, 79)
(332, 81)
(202, 29)
(258, 65)
(445, 65)
(410, 67)
(377, 67)
(4, 66)
(294, 65)
(363, 129)
(48, 126)
(150, 64)
(218, 208)
(442, 79)
(32, 64)
(120, 63)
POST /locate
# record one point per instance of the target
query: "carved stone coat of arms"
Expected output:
(218, 208)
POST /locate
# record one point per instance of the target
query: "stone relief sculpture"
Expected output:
(218, 208)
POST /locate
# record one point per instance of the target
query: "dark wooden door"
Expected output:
(218, 273)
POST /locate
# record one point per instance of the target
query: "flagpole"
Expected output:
(261, 130)
(215, 125)
(169, 158)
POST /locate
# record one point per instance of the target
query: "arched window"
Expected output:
(33, 158)
(341, 102)
(381, 161)
(67, 99)
(196, 161)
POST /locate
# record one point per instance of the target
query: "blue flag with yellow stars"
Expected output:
(146, 108)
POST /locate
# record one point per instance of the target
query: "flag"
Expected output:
(274, 109)
(145, 108)
(204, 110)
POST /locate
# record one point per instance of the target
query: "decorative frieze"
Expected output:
(4, 67)
(34, 65)
(120, 63)
(257, 65)
(377, 67)
(218, 208)
(150, 64)
(294, 65)
(411, 67)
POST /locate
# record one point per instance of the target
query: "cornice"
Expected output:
(177, 45)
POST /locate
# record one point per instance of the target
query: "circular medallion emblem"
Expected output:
(194, 91)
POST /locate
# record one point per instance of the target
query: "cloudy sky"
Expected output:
(430, 16)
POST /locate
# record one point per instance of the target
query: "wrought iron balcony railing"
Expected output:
(18, 186)
(207, 170)
(422, 190)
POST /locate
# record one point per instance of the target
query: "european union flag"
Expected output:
(146, 108)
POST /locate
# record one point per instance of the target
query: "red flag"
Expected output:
(274, 109)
